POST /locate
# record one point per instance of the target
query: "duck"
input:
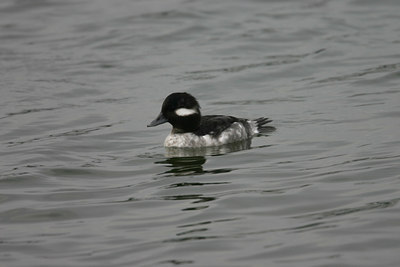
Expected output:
(190, 129)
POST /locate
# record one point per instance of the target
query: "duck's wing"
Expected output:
(216, 124)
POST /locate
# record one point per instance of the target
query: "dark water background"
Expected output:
(83, 182)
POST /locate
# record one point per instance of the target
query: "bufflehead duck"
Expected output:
(191, 129)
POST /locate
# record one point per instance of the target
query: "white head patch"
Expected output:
(185, 111)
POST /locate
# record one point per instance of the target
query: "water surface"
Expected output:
(83, 182)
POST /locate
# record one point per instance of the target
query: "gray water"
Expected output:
(84, 183)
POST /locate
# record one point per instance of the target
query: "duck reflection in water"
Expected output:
(190, 161)
(183, 166)
(189, 166)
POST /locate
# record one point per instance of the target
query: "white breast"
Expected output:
(235, 133)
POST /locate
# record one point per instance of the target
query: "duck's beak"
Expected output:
(159, 120)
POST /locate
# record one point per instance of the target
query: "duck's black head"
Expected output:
(181, 110)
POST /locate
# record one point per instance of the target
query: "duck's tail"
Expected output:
(262, 127)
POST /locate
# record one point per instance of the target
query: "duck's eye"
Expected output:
(185, 111)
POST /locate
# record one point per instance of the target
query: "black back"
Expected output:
(215, 124)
